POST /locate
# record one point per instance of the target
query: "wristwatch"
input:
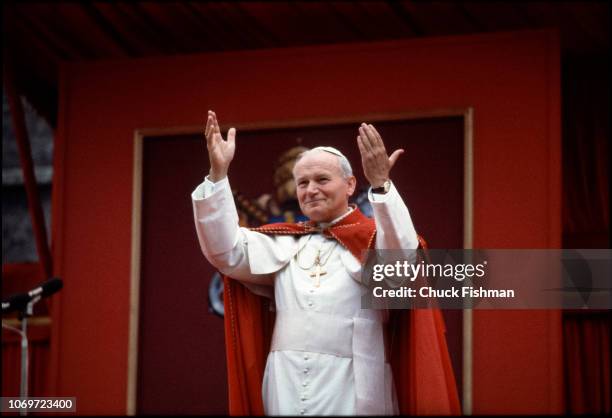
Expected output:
(382, 189)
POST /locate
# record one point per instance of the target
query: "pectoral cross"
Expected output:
(318, 272)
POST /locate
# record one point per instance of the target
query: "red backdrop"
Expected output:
(511, 80)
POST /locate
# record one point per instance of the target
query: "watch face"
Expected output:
(387, 186)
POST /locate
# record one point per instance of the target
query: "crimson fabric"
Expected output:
(587, 362)
(420, 360)
(586, 154)
(355, 232)
(586, 224)
(248, 331)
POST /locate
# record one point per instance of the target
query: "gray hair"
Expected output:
(347, 171)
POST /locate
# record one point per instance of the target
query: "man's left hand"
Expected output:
(376, 163)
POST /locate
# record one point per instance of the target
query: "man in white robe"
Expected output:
(327, 354)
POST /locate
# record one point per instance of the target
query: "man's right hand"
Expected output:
(220, 152)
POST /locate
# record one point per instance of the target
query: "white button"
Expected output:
(302, 411)
(306, 370)
(306, 357)
(310, 303)
(303, 397)
(304, 384)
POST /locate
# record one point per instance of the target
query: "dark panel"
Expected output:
(181, 365)
(181, 348)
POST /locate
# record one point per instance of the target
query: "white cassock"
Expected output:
(327, 354)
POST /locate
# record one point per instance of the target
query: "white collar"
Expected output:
(324, 225)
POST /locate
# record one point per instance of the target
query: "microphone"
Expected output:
(15, 303)
(46, 288)
(20, 301)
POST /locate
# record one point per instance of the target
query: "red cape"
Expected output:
(416, 342)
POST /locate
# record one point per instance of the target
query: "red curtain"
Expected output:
(586, 148)
(587, 360)
(586, 223)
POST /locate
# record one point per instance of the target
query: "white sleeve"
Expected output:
(394, 228)
(237, 252)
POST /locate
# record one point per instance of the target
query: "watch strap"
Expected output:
(382, 189)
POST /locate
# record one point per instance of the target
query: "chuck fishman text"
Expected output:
(430, 292)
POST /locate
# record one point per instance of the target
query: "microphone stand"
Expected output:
(24, 314)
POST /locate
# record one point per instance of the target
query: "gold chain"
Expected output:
(317, 259)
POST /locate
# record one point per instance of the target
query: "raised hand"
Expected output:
(376, 163)
(220, 152)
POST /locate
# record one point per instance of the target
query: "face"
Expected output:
(322, 190)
